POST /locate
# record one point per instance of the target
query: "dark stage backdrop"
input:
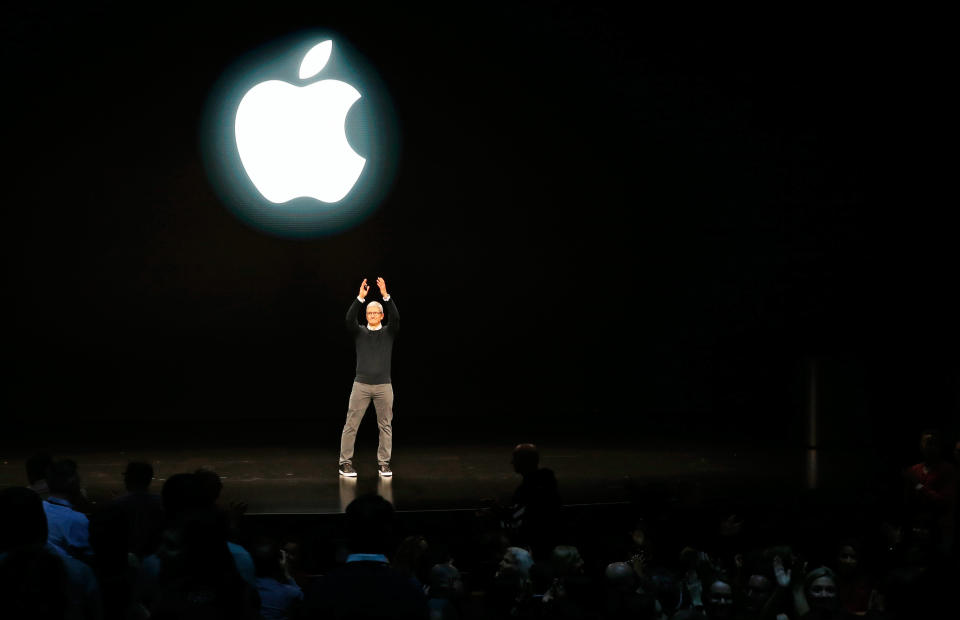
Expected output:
(595, 213)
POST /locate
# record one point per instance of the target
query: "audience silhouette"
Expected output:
(68, 529)
(180, 554)
(141, 509)
(38, 579)
(366, 586)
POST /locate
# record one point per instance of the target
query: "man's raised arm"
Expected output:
(394, 314)
(352, 324)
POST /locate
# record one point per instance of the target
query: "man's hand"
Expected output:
(235, 512)
(383, 287)
(782, 574)
(694, 588)
(363, 289)
(730, 526)
(285, 565)
(639, 564)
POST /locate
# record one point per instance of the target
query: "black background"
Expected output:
(598, 214)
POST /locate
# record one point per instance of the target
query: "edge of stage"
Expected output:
(291, 468)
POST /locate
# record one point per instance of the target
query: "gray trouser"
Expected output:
(360, 397)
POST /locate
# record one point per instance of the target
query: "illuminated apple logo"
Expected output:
(292, 140)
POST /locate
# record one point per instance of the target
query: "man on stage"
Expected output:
(374, 349)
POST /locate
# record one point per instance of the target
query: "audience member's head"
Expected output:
(267, 559)
(297, 556)
(369, 525)
(63, 478)
(181, 492)
(620, 576)
(137, 476)
(445, 580)
(210, 483)
(756, 592)
(667, 590)
(719, 599)
(22, 520)
(526, 458)
(37, 466)
(931, 446)
(623, 600)
(195, 546)
(410, 557)
(516, 564)
(848, 559)
(820, 586)
(566, 561)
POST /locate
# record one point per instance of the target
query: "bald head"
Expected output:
(526, 458)
(619, 575)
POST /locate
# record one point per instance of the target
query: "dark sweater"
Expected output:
(374, 347)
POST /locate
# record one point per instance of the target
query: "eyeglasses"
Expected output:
(374, 313)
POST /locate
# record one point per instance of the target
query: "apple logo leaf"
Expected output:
(315, 60)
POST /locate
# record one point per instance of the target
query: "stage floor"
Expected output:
(278, 479)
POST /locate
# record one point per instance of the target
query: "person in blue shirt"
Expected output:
(280, 596)
(69, 529)
(35, 576)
